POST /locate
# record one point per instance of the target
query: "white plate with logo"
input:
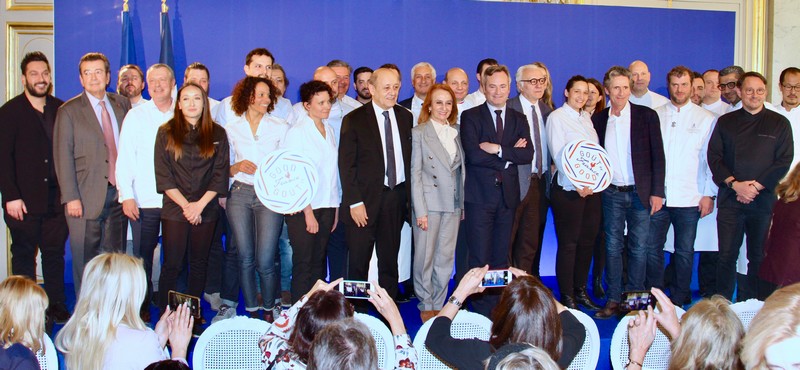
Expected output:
(586, 165)
(286, 181)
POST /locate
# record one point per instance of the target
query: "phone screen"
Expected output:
(176, 299)
(496, 278)
(355, 289)
(638, 300)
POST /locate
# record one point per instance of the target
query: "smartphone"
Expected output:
(355, 289)
(637, 300)
(176, 299)
(496, 278)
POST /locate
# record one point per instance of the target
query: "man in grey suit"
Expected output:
(85, 149)
(535, 102)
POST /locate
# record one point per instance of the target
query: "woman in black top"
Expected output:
(191, 163)
(526, 313)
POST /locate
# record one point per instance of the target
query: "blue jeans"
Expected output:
(620, 208)
(285, 252)
(684, 221)
(255, 231)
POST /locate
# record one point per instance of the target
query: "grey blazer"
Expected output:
(80, 153)
(525, 180)
(437, 184)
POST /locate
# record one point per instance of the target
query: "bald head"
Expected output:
(641, 77)
(458, 80)
(327, 75)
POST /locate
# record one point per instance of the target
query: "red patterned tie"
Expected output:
(108, 135)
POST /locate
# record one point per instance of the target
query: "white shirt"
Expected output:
(565, 125)
(473, 100)
(138, 103)
(416, 107)
(527, 109)
(213, 106)
(304, 138)
(685, 132)
(244, 145)
(618, 146)
(447, 136)
(136, 176)
(224, 112)
(794, 119)
(98, 112)
(339, 109)
(718, 107)
(399, 165)
(351, 102)
(650, 99)
(283, 108)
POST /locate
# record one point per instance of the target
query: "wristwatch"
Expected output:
(454, 301)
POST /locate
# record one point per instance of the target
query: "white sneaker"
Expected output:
(225, 312)
(214, 300)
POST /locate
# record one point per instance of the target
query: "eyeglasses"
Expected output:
(751, 91)
(536, 81)
(791, 88)
(729, 85)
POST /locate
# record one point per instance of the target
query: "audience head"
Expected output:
(789, 189)
(423, 76)
(328, 75)
(345, 344)
(618, 83)
(711, 84)
(597, 98)
(258, 63)
(710, 338)
(698, 88)
(316, 97)
(361, 80)
(679, 84)
(457, 79)
(321, 309)
(524, 304)
(167, 365)
(773, 339)
(256, 93)
(640, 74)
(752, 89)
(520, 356)
(482, 66)
(36, 76)
(440, 105)
(22, 310)
(160, 81)
(728, 79)
(279, 79)
(790, 87)
(198, 73)
(94, 74)
(384, 84)
(576, 94)
(130, 81)
(342, 70)
(496, 85)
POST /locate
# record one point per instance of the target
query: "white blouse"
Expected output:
(304, 138)
(244, 145)
(565, 125)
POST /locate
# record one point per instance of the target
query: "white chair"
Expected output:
(384, 340)
(747, 310)
(589, 354)
(47, 356)
(230, 344)
(466, 325)
(657, 357)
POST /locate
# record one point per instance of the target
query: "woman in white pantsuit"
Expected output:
(437, 197)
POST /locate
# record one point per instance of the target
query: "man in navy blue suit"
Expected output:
(495, 141)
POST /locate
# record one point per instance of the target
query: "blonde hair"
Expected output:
(22, 307)
(710, 337)
(778, 320)
(533, 358)
(113, 289)
(789, 189)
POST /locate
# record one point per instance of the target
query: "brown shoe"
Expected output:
(611, 309)
(427, 315)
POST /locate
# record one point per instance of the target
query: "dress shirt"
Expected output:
(618, 145)
(565, 125)
(794, 119)
(492, 110)
(473, 100)
(99, 114)
(718, 107)
(136, 178)
(303, 137)
(416, 107)
(685, 132)
(541, 146)
(138, 103)
(650, 99)
(351, 102)
(213, 106)
(398, 147)
(283, 108)
(339, 109)
(447, 136)
(244, 145)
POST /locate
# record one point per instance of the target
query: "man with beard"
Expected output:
(361, 80)
(423, 76)
(31, 197)
(640, 93)
(698, 88)
(130, 84)
(790, 90)
(690, 191)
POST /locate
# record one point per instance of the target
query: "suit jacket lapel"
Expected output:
(119, 111)
(87, 111)
(372, 127)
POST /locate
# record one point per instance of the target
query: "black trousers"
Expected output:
(179, 239)
(577, 222)
(145, 239)
(732, 225)
(308, 250)
(528, 230)
(337, 249)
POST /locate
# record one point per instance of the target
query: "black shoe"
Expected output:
(403, 297)
(58, 312)
(597, 288)
(583, 298)
(569, 302)
(611, 309)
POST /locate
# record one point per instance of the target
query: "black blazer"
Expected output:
(361, 165)
(26, 153)
(647, 150)
(407, 102)
(525, 181)
(478, 126)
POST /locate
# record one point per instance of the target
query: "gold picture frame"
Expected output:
(29, 4)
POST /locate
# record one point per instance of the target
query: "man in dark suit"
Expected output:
(85, 152)
(31, 198)
(374, 163)
(529, 221)
(495, 140)
(632, 136)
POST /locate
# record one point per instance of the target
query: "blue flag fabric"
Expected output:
(128, 53)
(166, 55)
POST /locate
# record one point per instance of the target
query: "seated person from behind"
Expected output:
(22, 306)
(344, 345)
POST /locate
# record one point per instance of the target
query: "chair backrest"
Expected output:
(658, 355)
(48, 359)
(747, 310)
(384, 341)
(466, 325)
(589, 354)
(230, 344)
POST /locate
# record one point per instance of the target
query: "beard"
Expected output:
(364, 94)
(31, 89)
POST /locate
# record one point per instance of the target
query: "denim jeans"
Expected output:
(255, 231)
(285, 253)
(620, 208)
(684, 221)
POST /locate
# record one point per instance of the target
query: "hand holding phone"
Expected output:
(497, 278)
(177, 298)
(637, 300)
(355, 289)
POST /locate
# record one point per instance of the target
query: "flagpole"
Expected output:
(127, 46)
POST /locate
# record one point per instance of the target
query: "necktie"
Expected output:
(111, 145)
(499, 129)
(391, 172)
(537, 139)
